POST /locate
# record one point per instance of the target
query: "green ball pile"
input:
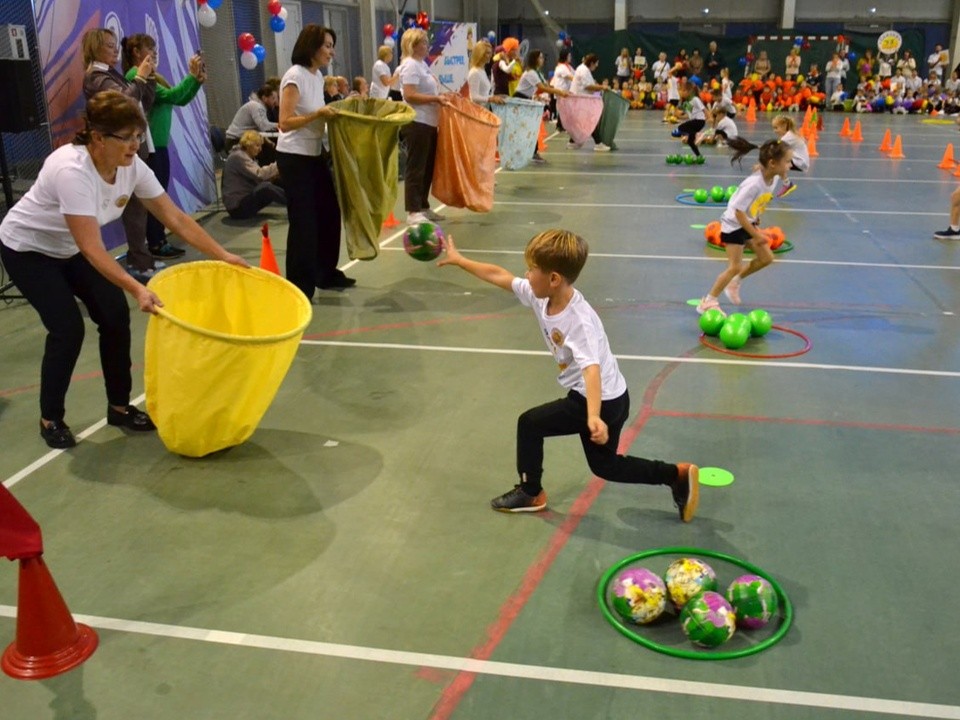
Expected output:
(735, 329)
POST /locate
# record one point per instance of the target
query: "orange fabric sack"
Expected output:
(466, 155)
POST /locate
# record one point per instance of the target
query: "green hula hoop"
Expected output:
(786, 247)
(693, 654)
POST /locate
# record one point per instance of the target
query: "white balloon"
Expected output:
(559, 44)
(206, 16)
(248, 60)
(389, 41)
(282, 14)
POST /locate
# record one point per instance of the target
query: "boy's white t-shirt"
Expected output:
(378, 90)
(576, 338)
(69, 184)
(306, 140)
(417, 73)
(752, 197)
(728, 127)
(801, 157)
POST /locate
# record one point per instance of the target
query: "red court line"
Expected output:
(809, 421)
(510, 610)
(36, 386)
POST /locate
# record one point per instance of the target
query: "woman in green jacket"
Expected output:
(135, 49)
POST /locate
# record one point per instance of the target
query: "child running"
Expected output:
(597, 403)
(784, 126)
(696, 118)
(739, 224)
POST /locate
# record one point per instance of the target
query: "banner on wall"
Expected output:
(60, 29)
(449, 56)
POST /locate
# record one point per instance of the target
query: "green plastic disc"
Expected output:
(693, 301)
(715, 477)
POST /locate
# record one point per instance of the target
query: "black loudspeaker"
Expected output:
(19, 108)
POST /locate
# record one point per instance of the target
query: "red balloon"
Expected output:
(422, 18)
(568, 42)
(387, 29)
(246, 41)
(274, 7)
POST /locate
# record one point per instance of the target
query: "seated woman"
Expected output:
(247, 187)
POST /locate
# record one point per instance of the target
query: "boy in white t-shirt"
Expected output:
(597, 403)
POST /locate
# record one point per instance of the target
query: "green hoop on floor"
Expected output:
(786, 247)
(613, 619)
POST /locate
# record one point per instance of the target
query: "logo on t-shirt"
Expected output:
(760, 204)
(122, 201)
(556, 337)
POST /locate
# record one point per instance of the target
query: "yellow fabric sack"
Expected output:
(217, 351)
(364, 142)
(466, 155)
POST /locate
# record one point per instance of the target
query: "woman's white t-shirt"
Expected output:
(576, 338)
(582, 79)
(623, 66)
(562, 77)
(528, 84)
(378, 90)
(417, 72)
(480, 86)
(752, 197)
(69, 184)
(306, 140)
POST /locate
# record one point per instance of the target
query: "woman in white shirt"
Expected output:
(478, 81)
(834, 72)
(382, 77)
(50, 243)
(421, 91)
(313, 238)
(584, 84)
(532, 83)
(562, 80)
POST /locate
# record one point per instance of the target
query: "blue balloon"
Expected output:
(409, 22)
(259, 50)
(796, 41)
(214, 4)
(492, 37)
(277, 23)
(851, 56)
(742, 61)
(396, 35)
(562, 35)
(696, 81)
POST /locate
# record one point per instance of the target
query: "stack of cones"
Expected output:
(885, 144)
(48, 641)
(896, 151)
(947, 162)
(268, 260)
(845, 130)
(856, 135)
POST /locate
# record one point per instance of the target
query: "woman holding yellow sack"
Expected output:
(50, 243)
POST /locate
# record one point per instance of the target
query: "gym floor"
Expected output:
(344, 562)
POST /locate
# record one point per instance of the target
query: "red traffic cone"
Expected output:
(390, 222)
(48, 641)
(268, 260)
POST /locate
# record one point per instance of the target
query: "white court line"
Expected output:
(679, 206)
(722, 258)
(647, 358)
(589, 173)
(589, 678)
(53, 454)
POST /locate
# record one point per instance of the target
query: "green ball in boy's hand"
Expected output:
(760, 322)
(712, 321)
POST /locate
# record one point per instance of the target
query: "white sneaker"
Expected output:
(571, 145)
(709, 303)
(600, 147)
(732, 291)
(433, 216)
(416, 218)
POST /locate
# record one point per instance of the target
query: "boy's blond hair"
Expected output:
(559, 251)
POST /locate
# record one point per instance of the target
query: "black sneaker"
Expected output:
(132, 419)
(167, 251)
(57, 435)
(686, 490)
(518, 501)
(337, 281)
(948, 234)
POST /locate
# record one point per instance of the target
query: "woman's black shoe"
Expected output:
(57, 435)
(336, 281)
(132, 419)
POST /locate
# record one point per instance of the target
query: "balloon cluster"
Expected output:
(278, 20)
(390, 35)
(206, 12)
(563, 40)
(252, 53)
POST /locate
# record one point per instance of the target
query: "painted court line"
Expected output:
(648, 358)
(590, 173)
(53, 454)
(527, 672)
(678, 206)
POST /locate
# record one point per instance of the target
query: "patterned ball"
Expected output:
(708, 619)
(753, 599)
(687, 577)
(423, 242)
(638, 595)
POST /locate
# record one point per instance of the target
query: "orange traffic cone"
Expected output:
(897, 150)
(885, 145)
(268, 260)
(956, 172)
(752, 112)
(819, 119)
(856, 135)
(541, 138)
(390, 222)
(947, 162)
(48, 642)
(808, 116)
(812, 147)
(845, 130)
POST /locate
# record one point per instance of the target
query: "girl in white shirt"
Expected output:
(739, 225)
